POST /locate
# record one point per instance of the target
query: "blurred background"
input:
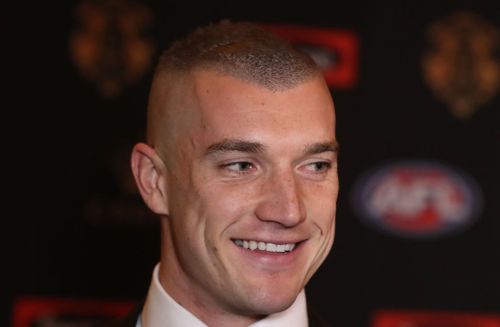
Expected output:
(416, 86)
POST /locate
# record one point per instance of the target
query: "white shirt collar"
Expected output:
(160, 310)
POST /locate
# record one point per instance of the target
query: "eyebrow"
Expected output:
(230, 145)
(317, 148)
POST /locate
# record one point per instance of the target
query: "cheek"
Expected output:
(225, 205)
(321, 201)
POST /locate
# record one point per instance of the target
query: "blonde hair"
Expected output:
(242, 50)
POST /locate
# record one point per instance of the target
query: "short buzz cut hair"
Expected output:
(242, 50)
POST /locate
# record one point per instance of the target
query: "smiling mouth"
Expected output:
(263, 246)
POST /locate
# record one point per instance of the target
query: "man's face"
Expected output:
(252, 185)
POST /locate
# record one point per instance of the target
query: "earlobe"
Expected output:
(149, 174)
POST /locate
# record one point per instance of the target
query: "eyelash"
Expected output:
(239, 170)
(324, 167)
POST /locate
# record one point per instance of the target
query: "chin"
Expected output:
(266, 303)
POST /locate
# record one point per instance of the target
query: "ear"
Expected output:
(150, 177)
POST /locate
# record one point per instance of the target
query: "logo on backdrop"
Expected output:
(118, 202)
(335, 51)
(109, 46)
(68, 312)
(415, 318)
(417, 199)
(463, 68)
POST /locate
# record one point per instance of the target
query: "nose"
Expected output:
(281, 201)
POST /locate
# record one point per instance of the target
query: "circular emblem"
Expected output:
(417, 199)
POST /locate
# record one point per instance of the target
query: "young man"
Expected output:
(241, 166)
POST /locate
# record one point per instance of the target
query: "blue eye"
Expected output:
(240, 166)
(320, 166)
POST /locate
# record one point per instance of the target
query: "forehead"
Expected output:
(228, 105)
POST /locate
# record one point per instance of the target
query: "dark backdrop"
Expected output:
(76, 229)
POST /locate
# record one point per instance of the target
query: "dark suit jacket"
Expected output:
(131, 319)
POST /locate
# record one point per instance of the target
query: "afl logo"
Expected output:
(417, 199)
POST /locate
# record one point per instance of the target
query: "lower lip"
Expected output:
(273, 260)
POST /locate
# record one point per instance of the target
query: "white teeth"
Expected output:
(269, 247)
(272, 247)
